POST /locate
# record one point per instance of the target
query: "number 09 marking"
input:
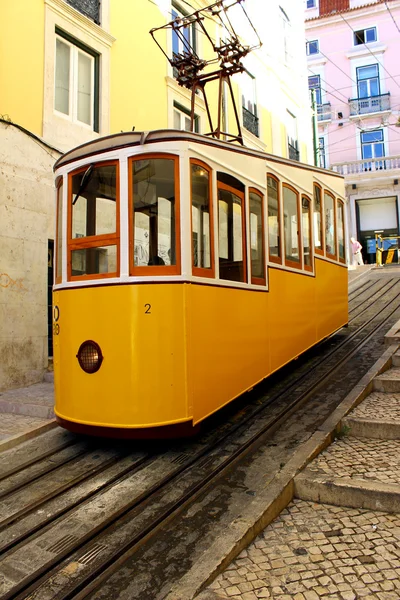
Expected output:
(147, 307)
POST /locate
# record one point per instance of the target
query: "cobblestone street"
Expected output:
(317, 551)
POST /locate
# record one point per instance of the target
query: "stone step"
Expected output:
(396, 359)
(48, 376)
(389, 381)
(354, 472)
(34, 401)
(378, 417)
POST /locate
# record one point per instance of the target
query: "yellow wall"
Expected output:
(21, 62)
(138, 68)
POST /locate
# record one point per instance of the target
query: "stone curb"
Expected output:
(268, 505)
(19, 438)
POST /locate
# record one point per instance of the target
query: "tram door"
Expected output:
(50, 257)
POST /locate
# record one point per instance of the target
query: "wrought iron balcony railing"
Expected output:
(372, 104)
(250, 121)
(89, 8)
(324, 112)
(294, 154)
(386, 163)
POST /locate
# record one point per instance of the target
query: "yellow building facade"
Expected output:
(72, 71)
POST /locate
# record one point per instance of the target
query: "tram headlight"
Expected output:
(90, 356)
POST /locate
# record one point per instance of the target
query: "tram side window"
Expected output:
(154, 207)
(201, 220)
(273, 220)
(93, 230)
(330, 232)
(232, 255)
(257, 238)
(318, 230)
(306, 226)
(340, 225)
(59, 232)
(291, 227)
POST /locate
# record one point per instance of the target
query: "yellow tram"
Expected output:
(187, 270)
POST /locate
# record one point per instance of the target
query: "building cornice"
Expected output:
(75, 18)
(351, 13)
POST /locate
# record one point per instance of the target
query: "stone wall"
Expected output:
(27, 212)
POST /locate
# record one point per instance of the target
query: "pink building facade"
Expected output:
(353, 54)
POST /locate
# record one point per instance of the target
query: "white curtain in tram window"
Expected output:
(85, 63)
(206, 240)
(237, 231)
(223, 228)
(164, 223)
(62, 86)
(317, 229)
(141, 237)
(254, 232)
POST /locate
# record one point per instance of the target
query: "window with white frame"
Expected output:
(186, 41)
(291, 128)
(372, 144)
(365, 36)
(368, 81)
(182, 118)
(249, 102)
(314, 83)
(312, 47)
(321, 153)
(311, 3)
(76, 81)
(286, 34)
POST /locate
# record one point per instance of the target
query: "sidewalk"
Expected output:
(339, 539)
(23, 410)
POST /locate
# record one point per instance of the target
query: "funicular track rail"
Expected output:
(80, 530)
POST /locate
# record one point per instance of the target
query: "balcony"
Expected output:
(359, 167)
(294, 154)
(250, 122)
(89, 8)
(324, 112)
(372, 104)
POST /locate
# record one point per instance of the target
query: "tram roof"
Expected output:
(139, 138)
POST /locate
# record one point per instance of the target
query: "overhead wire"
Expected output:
(393, 19)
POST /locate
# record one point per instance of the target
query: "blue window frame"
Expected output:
(365, 36)
(312, 47)
(368, 81)
(189, 34)
(372, 144)
(314, 83)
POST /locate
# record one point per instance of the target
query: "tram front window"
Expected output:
(93, 226)
(154, 237)
(94, 210)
